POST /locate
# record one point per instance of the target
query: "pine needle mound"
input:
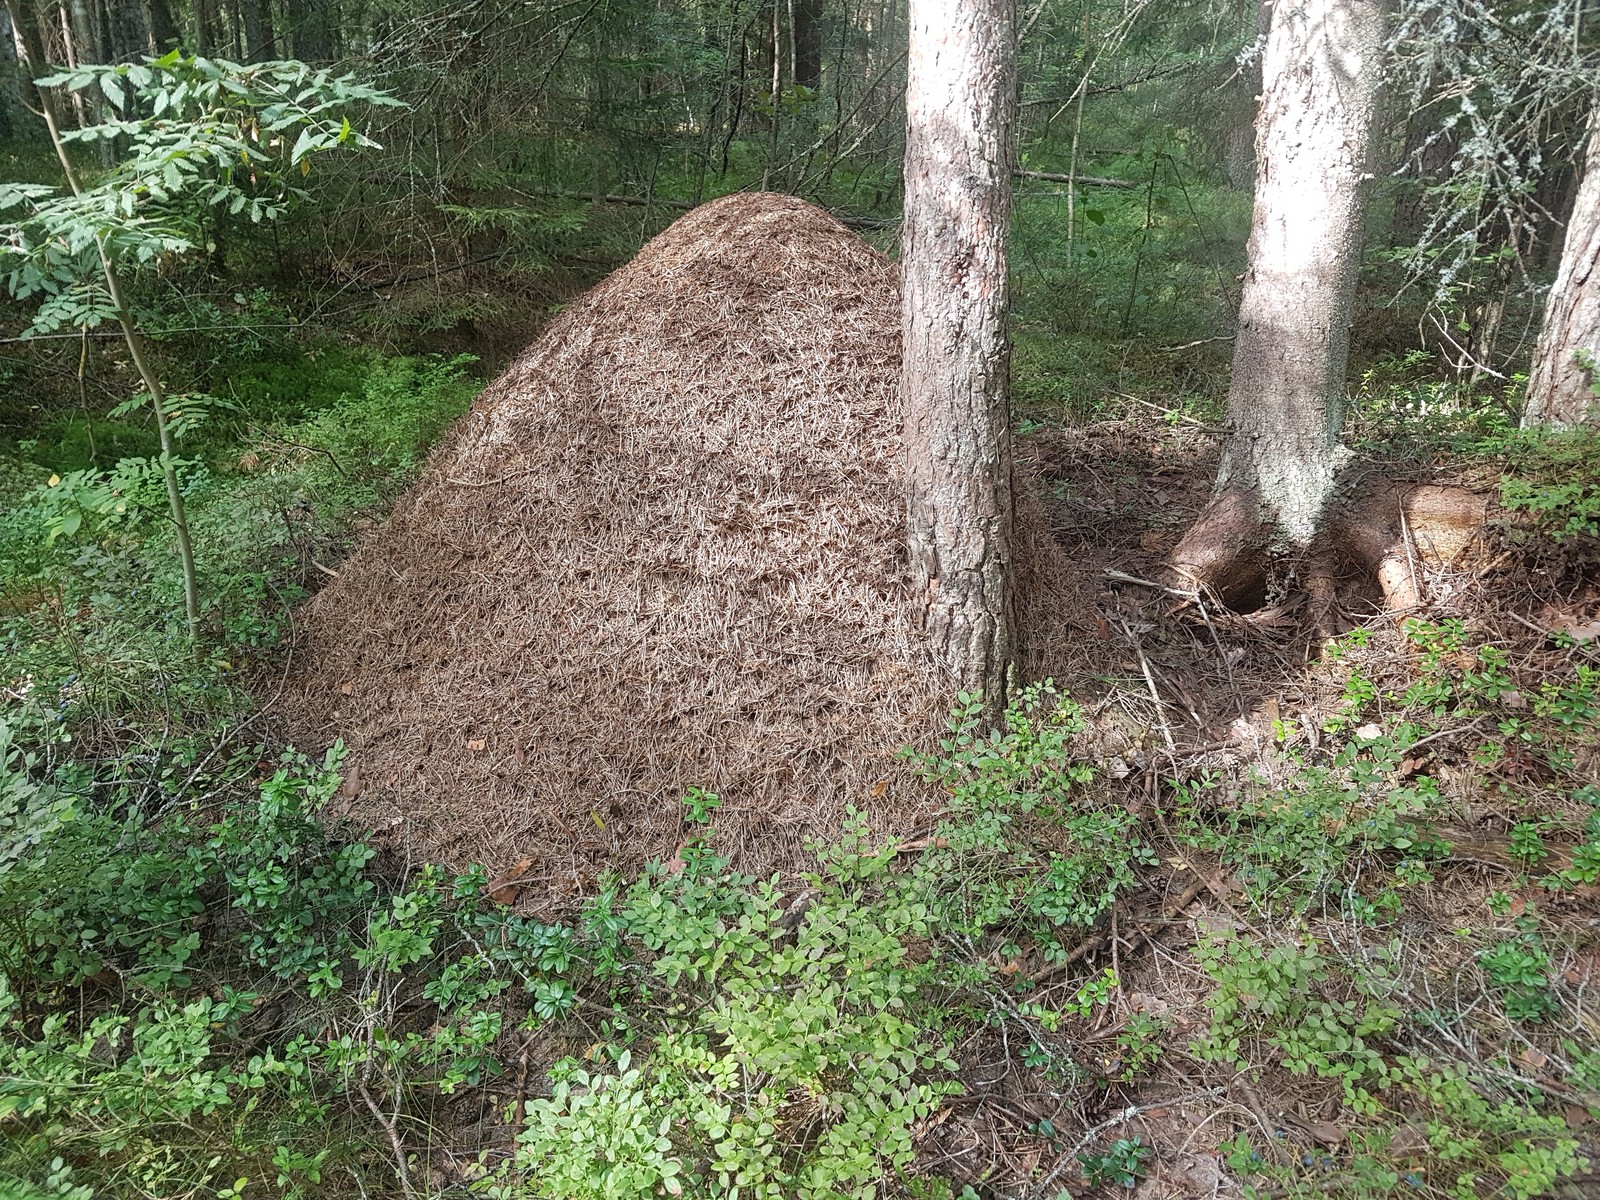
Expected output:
(663, 550)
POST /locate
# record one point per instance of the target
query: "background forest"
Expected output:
(298, 238)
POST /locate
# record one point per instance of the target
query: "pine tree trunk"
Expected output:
(258, 40)
(1320, 77)
(1562, 381)
(164, 31)
(10, 81)
(806, 35)
(308, 30)
(960, 113)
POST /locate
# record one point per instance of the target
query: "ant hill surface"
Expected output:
(663, 550)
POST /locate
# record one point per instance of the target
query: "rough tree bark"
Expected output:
(960, 114)
(10, 82)
(258, 39)
(164, 32)
(807, 35)
(1560, 384)
(1320, 77)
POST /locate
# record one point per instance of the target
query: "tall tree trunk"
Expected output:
(1320, 77)
(806, 35)
(308, 27)
(960, 116)
(10, 78)
(164, 32)
(258, 41)
(126, 29)
(30, 55)
(208, 28)
(1562, 381)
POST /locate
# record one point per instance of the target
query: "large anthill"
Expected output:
(664, 550)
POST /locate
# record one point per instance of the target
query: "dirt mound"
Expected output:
(663, 550)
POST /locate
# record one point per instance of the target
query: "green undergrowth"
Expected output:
(199, 993)
(208, 990)
(1130, 303)
(1449, 1020)
(89, 577)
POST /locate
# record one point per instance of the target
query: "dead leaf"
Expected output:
(1409, 1142)
(476, 743)
(351, 787)
(879, 788)
(928, 1124)
(1577, 1117)
(1532, 1057)
(1324, 1133)
(504, 890)
(347, 689)
(1011, 968)
(1144, 1002)
(1573, 625)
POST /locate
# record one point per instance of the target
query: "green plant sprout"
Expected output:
(196, 135)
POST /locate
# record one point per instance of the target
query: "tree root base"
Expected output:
(1381, 535)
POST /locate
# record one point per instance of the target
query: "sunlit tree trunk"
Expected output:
(1562, 381)
(960, 113)
(1320, 77)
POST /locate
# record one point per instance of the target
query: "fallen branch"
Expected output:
(395, 1143)
(1079, 180)
(1124, 577)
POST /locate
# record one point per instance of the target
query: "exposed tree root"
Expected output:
(1390, 533)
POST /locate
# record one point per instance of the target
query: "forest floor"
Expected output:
(1232, 908)
(1358, 842)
